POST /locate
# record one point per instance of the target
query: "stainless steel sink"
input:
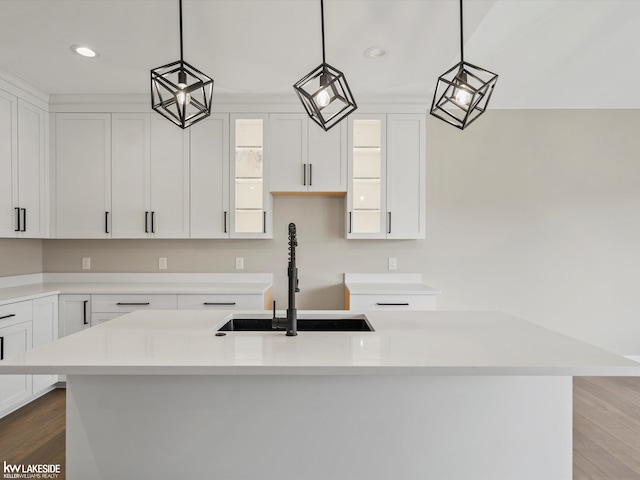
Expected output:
(306, 323)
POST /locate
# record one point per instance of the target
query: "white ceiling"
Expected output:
(548, 53)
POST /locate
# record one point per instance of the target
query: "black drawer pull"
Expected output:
(1, 348)
(146, 222)
(24, 220)
(106, 222)
(126, 304)
(18, 220)
(84, 312)
(218, 303)
(8, 316)
(394, 304)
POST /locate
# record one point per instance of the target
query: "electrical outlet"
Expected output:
(393, 264)
(239, 263)
(162, 263)
(86, 263)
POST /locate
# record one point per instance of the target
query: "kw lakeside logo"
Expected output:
(31, 471)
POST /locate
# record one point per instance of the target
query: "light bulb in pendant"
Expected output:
(462, 96)
(323, 99)
(182, 97)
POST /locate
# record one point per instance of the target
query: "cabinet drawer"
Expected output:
(14, 313)
(392, 302)
(129, 303)
(220, 302)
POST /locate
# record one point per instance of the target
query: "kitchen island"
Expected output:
(442, 395)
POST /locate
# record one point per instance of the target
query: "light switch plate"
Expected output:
(239, 263)
(86, 263)
(162, 263)
(393, 264)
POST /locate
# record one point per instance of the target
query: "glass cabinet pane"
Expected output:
(367, 168)
(249, 169)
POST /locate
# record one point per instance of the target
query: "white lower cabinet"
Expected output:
(74, 314)
(220, 302)
(392, 302)
(15, 338)
(45, 330)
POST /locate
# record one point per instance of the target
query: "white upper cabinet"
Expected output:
(251, 204)
(386, 195)
(150, 177)
(33, 180)
(83, 175)
(23, 162)
(130, 174)
(210, 214)
(169, 179)
(305, 158)
(8, 165)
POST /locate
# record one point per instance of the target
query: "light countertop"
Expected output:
(387, 284)
(254, 285)
(172, 342)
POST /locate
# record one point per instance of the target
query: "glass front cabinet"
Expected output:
(251, 204)
(386, 171)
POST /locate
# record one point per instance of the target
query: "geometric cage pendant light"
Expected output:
(181, 92)
(324, 91)
(463, 92)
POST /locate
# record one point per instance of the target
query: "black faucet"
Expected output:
(291, 321)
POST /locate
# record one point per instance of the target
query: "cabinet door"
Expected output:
(327, 169)
(288, 152)
(131, 164)
(74, 314)
(210, 177)
(406, 159)
(367, 193)
(45, 330)
(169, 179)
(249, 187)
(32, 176)
(83, 175)
(8, 165)
(14, 339)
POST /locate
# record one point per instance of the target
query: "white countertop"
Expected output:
(141, 284)
(387, 284)
(404, 343)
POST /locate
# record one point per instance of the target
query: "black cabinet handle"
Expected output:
(389, 222)
(1, 348)
(8, 316)
(106, 222)
(264, 222)
(132, 303)
(18, 220)
(394, 304)
(146, 222)
(304, 174)
(208, 304)
(225, 222)
(349, 222)
(24, 220)
(310, 174)
(153, 222)
(84, 312)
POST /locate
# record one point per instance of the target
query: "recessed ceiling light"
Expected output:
(376, 52)
(84, 51)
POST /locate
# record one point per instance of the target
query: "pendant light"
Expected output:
(463, 92)
(181, 92)
(324, 92)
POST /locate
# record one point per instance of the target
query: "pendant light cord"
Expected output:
(461, 35)
(322, 27)
(181, 51)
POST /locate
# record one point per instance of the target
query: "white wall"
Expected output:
(536, 213)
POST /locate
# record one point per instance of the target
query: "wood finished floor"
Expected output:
(606, 430)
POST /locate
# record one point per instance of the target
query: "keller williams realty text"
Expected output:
(31, 471)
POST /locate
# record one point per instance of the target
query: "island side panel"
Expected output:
(319, 427)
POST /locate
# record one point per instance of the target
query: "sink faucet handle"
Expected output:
(297, 282)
